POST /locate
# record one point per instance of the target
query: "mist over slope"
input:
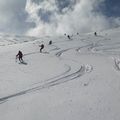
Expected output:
(72, 79)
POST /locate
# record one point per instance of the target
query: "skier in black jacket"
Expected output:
(42, 46)
(20, 56)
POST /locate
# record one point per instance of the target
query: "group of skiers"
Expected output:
(68, 36)
(20, 54)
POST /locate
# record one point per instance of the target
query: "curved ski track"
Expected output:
(68, 75)
(48, 84)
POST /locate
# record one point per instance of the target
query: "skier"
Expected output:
(95, 33)
(68, 36)
(20, 55)
(42, 46)
(50, 42)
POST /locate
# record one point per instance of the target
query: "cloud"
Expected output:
(65, 16)
(47, 17)
(13, 16)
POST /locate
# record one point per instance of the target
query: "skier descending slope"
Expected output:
(42, 46)
(95, 33)
(20, 55)
(50, 42)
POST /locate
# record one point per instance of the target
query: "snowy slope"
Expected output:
(77, 79)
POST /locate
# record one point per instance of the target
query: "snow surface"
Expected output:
(77, 79)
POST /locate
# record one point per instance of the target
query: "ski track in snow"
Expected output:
(85, 87)
(62, 78)
(68, 75)
(117, 64)
(48, 84)
(58, 54)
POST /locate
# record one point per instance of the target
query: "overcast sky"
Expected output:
(47, 17)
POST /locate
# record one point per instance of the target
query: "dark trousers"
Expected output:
(41, 49)
(20, 59)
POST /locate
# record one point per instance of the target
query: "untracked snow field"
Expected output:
(72, 79)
